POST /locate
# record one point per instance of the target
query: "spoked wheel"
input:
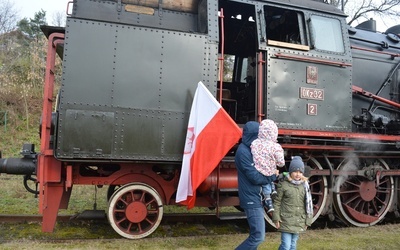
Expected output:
(268, 218)
(135, 210)
(318, 188)
(319, 192)
(111, 190)
(358, 200)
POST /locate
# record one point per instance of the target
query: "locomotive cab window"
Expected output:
(238, 87)
(326, 34)
(285, 28)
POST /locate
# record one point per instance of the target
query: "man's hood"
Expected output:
(250, 132)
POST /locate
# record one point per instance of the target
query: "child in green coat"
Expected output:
(293, 205)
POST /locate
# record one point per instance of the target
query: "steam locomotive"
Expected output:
(129, 72)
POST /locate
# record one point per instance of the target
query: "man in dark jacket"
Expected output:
(250, 181)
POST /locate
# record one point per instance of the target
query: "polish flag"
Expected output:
(210, 135)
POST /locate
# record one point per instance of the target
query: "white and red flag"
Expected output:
(210, 135)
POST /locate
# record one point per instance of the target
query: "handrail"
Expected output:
(393, 55)
(260, 76)
(45, 150)
(361, 91)
(67, 10)
(314, 60)
(221, 58)
(54, 40)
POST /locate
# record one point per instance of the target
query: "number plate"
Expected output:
(312, 109)
(311, 93)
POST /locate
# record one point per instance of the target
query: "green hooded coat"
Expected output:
(290, 207)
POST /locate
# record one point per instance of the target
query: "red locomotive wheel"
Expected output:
(135, 210)
(319, 192)
(358, 200)
(319, 189)
(111, 190)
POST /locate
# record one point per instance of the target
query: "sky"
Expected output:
(27, 8)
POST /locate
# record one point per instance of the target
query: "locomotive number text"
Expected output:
(312, 109)
(310, 93)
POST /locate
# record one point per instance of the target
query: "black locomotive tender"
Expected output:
(129, 72)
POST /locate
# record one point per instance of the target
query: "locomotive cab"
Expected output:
(280, 60)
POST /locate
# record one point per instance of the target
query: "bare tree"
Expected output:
(388, 11)
(8, 16)
(59, 18)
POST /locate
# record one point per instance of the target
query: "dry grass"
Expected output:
(16, 200)
(377, 237)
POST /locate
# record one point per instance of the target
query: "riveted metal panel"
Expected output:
(108, 11)
(328, 105)
(146, 85)
(169, 65)
(158, 91)
(88, 63)
(213, 27)
(137, 68)
(149, 135)
(87, 134)
(174, 124)
(136, 134)
(183, 66)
